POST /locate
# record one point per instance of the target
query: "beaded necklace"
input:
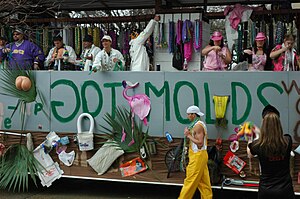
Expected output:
(183, 161)
(66, 53)
(107, 65)
(19, 43)
(193, 123)
(84, 54)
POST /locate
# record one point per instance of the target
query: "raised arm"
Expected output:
(145, 34)
(277, 52)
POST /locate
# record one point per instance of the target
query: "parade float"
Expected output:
(128, 126)
(56, 124)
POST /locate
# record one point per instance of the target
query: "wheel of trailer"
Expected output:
(171, 161)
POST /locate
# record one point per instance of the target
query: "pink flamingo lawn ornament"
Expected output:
(139, 105)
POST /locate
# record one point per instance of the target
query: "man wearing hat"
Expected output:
(197, 175)
(217, 56)
(108, 59)
(23, 54)
(61, 56)
(88, 53)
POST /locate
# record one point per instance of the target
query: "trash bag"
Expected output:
(104, 157)
(177, 61)
(214, 163)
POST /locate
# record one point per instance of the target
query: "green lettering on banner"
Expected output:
(85, 107)
(178, 85)
(159, 93)
(208, 118)
(7, 123)
(113, 95)
(244, 117)
(37, 108)
(260, 89)
(55, 104)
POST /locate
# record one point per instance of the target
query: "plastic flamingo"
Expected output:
(139, 104)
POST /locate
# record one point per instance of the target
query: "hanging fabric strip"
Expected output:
(126, 46)
(159, 44)
(197, 36)
(64, 35)
(45, 45)
(200, 34)
(240, 41)
(187, 31)
(77, 40)
(263, 26)
(101, 35)
(71, 33)
(90, 31)
(220, 110)
(279, 33)
(178, 32)
(171, 36)
(255, 31)
(164, 43)
(271, 34)
(187, 37)
(156, 33)
(113, 36)
(96, 36)
(120, 39)
(38, 38)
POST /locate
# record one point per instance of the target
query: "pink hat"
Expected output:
(260, 36)
(216, 36)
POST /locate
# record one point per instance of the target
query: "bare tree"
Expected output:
(15, 12)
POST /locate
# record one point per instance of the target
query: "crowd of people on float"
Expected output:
(282, 57)
(24, 54)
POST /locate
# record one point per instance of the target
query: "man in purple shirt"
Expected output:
(23, 54)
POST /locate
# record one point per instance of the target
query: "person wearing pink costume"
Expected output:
(284, 56)
(217, 56)
(258, 55)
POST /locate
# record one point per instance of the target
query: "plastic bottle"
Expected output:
(185, 64)
(169, 137)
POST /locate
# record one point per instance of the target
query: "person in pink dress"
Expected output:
(258, 55)
(217, 56)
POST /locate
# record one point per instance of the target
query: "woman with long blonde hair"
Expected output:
(273, 150)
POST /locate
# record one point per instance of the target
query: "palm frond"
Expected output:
(8, 78)
(123, 120)
(15, 165)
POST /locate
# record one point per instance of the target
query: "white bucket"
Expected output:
(85, 139)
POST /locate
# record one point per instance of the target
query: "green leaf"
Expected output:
(15, 165)
(8, 78)
(123, 120)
